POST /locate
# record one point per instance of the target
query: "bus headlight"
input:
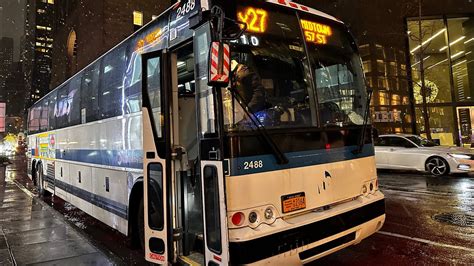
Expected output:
(268, 213)
(364, 189)
(253, 217)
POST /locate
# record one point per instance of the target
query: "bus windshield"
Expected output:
(288, 70)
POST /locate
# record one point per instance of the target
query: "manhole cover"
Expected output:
(459, 219)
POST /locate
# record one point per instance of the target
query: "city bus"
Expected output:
(269, 162)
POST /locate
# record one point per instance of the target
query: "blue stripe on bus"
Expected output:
(120, 158)
(134, 158)
(114, 207)
(252, 165)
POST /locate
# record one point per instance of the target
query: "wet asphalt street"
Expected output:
(430, 221)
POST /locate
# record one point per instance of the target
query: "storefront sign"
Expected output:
(387, 116)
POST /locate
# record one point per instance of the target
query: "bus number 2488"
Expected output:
(253, 165)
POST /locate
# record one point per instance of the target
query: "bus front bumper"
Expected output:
(310, 236)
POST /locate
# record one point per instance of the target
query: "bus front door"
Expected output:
(156, 158)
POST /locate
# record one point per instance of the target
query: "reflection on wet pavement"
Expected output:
(31, 232)
(411, 235)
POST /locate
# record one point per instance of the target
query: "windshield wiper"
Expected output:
(360, 147)
(279, 155)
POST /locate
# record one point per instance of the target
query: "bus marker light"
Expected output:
(253, 217)
(238, 218)
(364, 189)
(268, 213)
(328, 146)
(217, 258)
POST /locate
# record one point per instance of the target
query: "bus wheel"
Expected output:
(33, 173)
(39, 182)
(141, 224)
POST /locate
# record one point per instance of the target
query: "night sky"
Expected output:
(12, 22)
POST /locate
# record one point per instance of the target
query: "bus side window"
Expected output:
(89, 94)
(73, 100)
(51, 105)
(110, 97)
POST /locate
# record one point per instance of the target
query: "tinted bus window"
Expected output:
(52, 105)
(113, 69)
(33, 123)
(74, 95)
(44, 111)
(90, 94)
(132, 81)
(270, 73)
(62, 107)
(337, 72)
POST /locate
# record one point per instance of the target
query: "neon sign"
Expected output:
(255, 18)
(315, 32)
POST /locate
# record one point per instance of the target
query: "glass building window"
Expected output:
(427, 46)
(383, 98)
(364, 50)
(441, 124)
(137, 18)
(367, 66)
(461, 46)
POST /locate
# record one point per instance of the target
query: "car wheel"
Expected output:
(437, 166)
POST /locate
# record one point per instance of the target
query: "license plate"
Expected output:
(293, 202)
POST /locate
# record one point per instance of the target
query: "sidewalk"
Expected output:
(31, 232)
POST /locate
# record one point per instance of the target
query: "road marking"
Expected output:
(424, 192)
(426, 241)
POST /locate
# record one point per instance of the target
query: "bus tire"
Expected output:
(33, 173)
(40, 179)
(141, 224)
(136, 196)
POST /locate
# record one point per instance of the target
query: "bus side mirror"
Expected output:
(219, 64)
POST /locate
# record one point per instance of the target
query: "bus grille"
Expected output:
(28, 166)
(50, 172)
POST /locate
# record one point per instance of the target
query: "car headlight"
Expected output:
(459, 156)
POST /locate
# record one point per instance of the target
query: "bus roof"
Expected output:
(182, 27)
(303, 8)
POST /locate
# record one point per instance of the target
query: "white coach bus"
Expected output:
(275, 166)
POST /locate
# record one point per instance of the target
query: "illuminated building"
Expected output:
(38, 45)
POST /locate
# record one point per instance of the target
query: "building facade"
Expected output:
(88, 28)
(37, 48)
(442, 61)
(6, 62)
(399, 60)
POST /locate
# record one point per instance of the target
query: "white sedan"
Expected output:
(412, 152)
